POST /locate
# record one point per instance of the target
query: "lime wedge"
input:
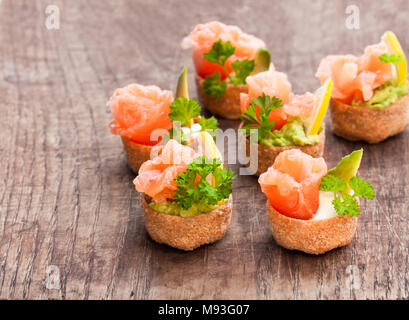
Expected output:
(322, 99)
(393, 44)
(182, 88)
(262, 61)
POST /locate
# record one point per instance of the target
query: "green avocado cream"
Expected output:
(173, 209)
(386, 94)
(291, 134)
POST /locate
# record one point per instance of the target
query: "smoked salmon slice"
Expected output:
(205, 35)
(138, 110)
(291, 184)
(156, 177)
(273, 84)
(276, 84)
(300, 105)
(356, 78)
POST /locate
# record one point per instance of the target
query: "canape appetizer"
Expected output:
(140, 110)
(309, 208)
(186, 196)
(281, 119)
(224, 56)
(370, 97)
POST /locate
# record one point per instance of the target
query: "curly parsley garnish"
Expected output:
(345, 203)
(209, 124)
(214, 86)
(220, 52)
(184, 113)
(190, 191)
(261, 122)
(242, 69)
(390, 58)
(184, 110)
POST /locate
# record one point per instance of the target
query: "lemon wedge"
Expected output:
(208, 146)
(393, 44)
(322, 99)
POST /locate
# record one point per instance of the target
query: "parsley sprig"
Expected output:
(390, 58)
(220, 52)
(242, 69)
(184, 110)
(345, 203)
(208, 124)
(190, 191)
(213, 85)
(184, 113)
(261, 122)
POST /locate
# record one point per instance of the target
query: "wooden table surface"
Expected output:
(68, 206)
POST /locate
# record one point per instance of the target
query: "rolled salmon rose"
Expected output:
(356, 78)
(137, 111)
(291, 184)
(205, 35)
(157, 176)
(273, 84)
(219, 52)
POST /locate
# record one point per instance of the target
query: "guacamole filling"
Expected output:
(291, 134)
(173, 209)
(385, 95)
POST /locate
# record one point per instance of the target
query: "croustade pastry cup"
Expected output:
(311, 236)
(369, 124)
(137, 153)
(266, 155)
(227, 106)
(187, 233)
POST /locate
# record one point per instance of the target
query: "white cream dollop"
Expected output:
(189, 132)
(326, 209)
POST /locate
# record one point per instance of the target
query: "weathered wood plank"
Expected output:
(66, 195)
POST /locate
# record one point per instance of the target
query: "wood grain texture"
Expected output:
(66, 194)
